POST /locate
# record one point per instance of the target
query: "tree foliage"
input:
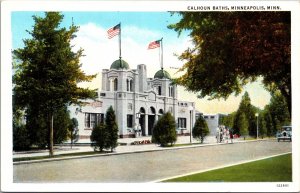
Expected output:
(99, 137)
(242, 124)
(73, 131)
(164, 131)
(276, 114)
(248, 110)
(200, 129)
(234, 48)
(111, 128)
(47, 71)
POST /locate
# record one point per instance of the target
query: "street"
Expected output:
(146, 166)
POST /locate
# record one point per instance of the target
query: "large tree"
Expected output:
(234, 48)
(47, 70)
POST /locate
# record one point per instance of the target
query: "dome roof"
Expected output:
(119, 64)
(162, 74)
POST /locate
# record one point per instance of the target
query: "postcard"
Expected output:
(159, 96)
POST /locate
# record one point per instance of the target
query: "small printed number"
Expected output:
(282, 185)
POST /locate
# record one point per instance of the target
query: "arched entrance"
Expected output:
(142, 120)
(160, 113)
(151, 120)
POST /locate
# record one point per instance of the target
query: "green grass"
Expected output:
(276, 169)
(59, 156)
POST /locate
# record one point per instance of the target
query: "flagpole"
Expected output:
(120, 56)
(162, 55)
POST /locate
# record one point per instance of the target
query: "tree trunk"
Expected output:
(51, 136)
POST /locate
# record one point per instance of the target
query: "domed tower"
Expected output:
(165, 88)
(119, 64)
(114, 79)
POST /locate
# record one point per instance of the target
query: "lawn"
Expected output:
(275, 169)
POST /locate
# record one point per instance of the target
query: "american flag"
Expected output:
(155, 44)
(114, 31)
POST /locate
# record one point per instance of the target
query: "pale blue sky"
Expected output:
(138, 30)
(153, 21)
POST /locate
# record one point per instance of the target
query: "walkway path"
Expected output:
(147, 166)
(119, 149)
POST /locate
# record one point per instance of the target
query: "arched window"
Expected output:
(131, 85)
(115, 84)
(159, 90)
(152, 110)
(127, 84)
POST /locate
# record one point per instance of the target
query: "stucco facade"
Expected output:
(138, 102)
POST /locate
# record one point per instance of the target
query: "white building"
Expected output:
(213, 121)
(136, 99)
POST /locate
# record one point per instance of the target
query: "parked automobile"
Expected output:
(285, 133)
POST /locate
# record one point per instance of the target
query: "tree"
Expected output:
(248, 110)
(111, 128)
(47, 70)
(73, 130)
(61, 123)
(234, 48)
(242, 124)
(164, 131)
(200, 129)
(228, 120)
(99, 137)
(262, 126)
(276, 114)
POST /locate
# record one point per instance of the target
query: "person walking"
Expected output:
(231, 135)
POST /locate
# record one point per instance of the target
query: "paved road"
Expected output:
(147, 166)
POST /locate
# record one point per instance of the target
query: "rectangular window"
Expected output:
(182, 122)
(129, 121)
(87, 120)
(93, 119)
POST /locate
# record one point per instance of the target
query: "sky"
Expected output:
(138, 30)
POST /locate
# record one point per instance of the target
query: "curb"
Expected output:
(131, 152)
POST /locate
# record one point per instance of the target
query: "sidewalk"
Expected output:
(210, 140)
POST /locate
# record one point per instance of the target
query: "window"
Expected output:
(127, 83)
(87, 120)
(93, 119)
(115, 84)
(159, 90)
(182, 122)
(171, 91)
(212, 117)
(205, 117)
(129, 121)
(131, 85)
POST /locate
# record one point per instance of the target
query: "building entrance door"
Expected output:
(151, 120)
(142, 123)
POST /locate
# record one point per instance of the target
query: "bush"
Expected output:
(111, 128)
(21, 139)
(200, 129)
(99, 137)
(164, 131)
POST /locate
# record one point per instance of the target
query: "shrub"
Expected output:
(200, 129)
(111, 128)
(164, 131)
(21, 139)
(99, 137)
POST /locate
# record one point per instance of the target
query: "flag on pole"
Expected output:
(155, 44)
(112, 32)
